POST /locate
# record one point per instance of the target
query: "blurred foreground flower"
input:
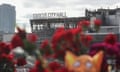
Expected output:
(97, 24)
(111, 48)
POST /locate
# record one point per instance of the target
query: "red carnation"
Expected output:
(3, 57)
(62, 70)
(85, 23)
(97, 22)
(89, 38)
(60, 29)
(68, 35)
(54, 66)
(76, 31)
(44, 44)
(38, 67)
(54, 56)
(6, 57)
(86, 39)
(111, 39)
(10, 57)
(5, 48)
(16, 41)
(79, 25)
(21, 33)
(21, 61)
(34, 70)
(37, 63)
(58, 37)
(37, 70)
(32, 37)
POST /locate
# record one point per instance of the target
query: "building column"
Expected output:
(48, 25)
(32, 26)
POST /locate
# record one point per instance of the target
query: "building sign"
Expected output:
(49, 15)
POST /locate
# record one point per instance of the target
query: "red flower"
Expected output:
(44, 44)
(60, 29)
(21, 33)
(3, 57)
(89, 38)
(16, 41)
(76, 31)
(37, 63)
(79, 25)
(21, 61)
(54, 56)
(5, 48)
(86, 39)
(54, 66)
(62, 70)
(37, 70)
(111, 39)
(97, 22)
(85, 23)
(6, 57)
(68, 35)
(38, 67)
(10, 57)
(34, 70)
(58, 37)
(32, 37)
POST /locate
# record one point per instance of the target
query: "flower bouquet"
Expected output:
(50, 55)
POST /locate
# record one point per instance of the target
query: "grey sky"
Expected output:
(73, 8)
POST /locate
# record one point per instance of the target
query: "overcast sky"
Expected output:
(73, 8)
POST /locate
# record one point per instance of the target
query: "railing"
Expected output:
(108, 29)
